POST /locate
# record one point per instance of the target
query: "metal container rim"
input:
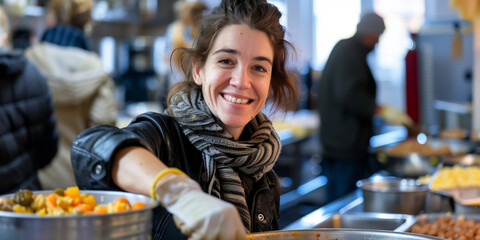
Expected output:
(383, 233)
(409, 185)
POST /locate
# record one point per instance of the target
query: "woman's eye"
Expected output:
(225, 61)
(259, 68)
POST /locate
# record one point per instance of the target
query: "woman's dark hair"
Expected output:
(258, 15)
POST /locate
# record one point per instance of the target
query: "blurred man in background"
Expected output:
(347, 104)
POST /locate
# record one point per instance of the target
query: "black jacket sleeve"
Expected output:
(93, 149)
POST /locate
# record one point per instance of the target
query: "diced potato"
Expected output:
(41, 212)
(90, 200)
(39, 202)
(73, 192)
(21, 209)
(64, 202)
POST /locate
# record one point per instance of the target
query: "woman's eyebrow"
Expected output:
(233, 51)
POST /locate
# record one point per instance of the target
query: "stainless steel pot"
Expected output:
(135, 224)
(340, 234)
(393, 195)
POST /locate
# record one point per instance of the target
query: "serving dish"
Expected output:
(134, 224)
(367, 220)
(446, 226)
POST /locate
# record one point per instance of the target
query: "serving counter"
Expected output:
(351, 203)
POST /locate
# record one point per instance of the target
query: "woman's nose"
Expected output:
(240, 78)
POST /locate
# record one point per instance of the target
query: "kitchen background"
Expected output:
(129, 35)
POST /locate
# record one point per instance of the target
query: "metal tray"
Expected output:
(432, 217)
(365, 220)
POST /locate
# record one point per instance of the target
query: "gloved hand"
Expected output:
(196, 213)
(394, 116)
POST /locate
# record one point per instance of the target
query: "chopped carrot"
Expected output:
(52, 199)
(121, 207)
(138, 205)
(83, 208)
(121, 200)
(101, 209)
(76, 201)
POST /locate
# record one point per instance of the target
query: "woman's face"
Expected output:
(236, 76)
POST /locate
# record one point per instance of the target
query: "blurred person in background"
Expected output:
(28, 135)
(209, 159)
(22, 38)
(180, 34)
(83, 93)
(347, 104)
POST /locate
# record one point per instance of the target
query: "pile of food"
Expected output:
(61, 202)
(453, 177)
(454, 133)
(448, 228)
(412, 146)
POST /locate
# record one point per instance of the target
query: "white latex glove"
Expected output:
(394, 116)
(196, 213)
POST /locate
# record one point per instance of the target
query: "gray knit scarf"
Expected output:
(222, 155)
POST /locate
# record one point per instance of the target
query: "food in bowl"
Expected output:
(453, 177)
(69, 201)
(413, 146)
(453, 133)
(447, 227)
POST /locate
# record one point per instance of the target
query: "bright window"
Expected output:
(334, 20)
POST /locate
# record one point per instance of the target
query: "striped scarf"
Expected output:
(222, 155)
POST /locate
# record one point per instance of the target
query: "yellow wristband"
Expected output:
(160, 175)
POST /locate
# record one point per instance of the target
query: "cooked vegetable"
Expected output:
(23, 197)
(63, 202)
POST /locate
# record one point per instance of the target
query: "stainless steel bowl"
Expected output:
(134, 224)
(343, 234)
(393, 195)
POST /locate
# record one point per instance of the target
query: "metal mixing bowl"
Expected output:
(393, 195)
(134, 224)
(343, 234)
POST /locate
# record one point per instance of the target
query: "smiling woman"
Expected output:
(236, 77)
(214, 131)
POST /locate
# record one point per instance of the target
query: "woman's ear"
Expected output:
(196, 73)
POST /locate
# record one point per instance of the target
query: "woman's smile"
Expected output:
(233, 99)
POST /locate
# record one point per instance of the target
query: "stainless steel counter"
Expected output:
(348, 204)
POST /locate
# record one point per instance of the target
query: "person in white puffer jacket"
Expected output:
(83, 93)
